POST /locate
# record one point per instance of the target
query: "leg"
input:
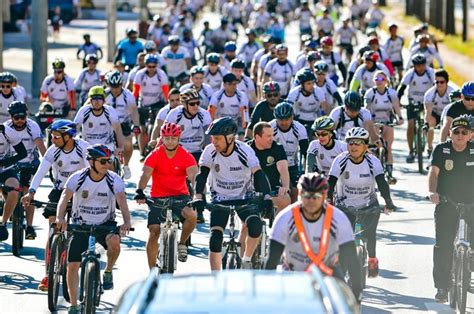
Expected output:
(12, 199)
(152, 244)
(388, 137)
(127, 150)
(255, 231)
(113, 250)
(189, 223)
(431, 123)
(243, 238)
(142, 139)
(215, 248)
(72, 278)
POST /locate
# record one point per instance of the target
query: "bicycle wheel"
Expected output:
(170, 253)
(17, 230)
(256, 257)
(463, 278)
(452, 289)
(90, 287)
(419, 148)
(64, 269)
(54, 272)
(232, 262)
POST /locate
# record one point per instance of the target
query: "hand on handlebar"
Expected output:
(27, 199)
(61, 224)
(282, 191)
(140, 197)
(125, 228)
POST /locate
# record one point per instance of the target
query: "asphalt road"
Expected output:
(405, 238)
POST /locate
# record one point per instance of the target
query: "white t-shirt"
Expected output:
(394, 48)
(366, 77)
(328, 88)
(205, 93)
(246, 86)
(324, 156)
(98, 129)
(280, 73)
(306, 108)
(121, 103)
(438, 102)
(228, 106)
(86, 80)
(58, 91)
(344, 122)
(231, 176)
(8, 139)
(94, 201)
(332, 61)
(345, 34)
(355, 186)
(325, 23)
(380, 105)
(418, 84)
(295, 258)
(163, 113)
(28, 135)
(290, 140)
(150, 86)
(192, 135)
(16, 95)
(215, 80)
(247, 51)
(175, 61)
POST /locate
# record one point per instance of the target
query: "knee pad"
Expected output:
(254, 224)
(215, 241)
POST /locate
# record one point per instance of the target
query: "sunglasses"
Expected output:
(380, 79)
(97, 98)
(151, 66)
(6, 86)
(468, 98)
(19, 117)
(320, 73)
(58, 71)
(194, 103)
(322, 134)
(174, 100)
(104, 161)
(273, 95)
(440, 82)
(311, 195)
(463, 132)
(356, 142)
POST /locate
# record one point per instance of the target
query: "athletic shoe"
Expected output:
(43, 286)
(411, 158)
(373, 267)
(107, 280)
(441, 296)
(127, 174)
(246, 265)
(30, 233)
(182, 253)
(74, 309)
(3, 232)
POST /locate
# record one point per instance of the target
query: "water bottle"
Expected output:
(91, 244)
(357, 232)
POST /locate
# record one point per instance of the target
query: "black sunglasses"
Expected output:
(463, 132)
(193, 103)
(105, 161)
(6, 86)
(273, 94)
(19, 117)
(468, 98)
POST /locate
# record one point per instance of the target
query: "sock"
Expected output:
(247, 259)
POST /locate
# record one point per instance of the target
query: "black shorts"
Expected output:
(157, 214)
(410, 113)
(349, 48)
(7, 174)
(126, 128)
(80, 242)
(436, 116)
(397, 65)
(26, 174)
(144, 112)
(53, 197)
(219, 217)
(294, 176)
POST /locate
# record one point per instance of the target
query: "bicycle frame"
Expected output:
(419, 138)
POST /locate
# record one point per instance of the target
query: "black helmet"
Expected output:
(237, 64)
(419, 58)
(17, 107)
(58, 63)
(222, 126)
(353, 101)
(313, 182)
(92, 57)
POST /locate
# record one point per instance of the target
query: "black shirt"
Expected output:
(268, 159)
(261, 112)
(458, 109)
(456, 171)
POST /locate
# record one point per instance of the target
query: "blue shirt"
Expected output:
(130, 51)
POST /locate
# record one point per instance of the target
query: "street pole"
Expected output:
(465, 20)
(39, 45)
(143, 24)
(111, 22)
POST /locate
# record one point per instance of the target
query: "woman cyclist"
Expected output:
(352, 179)
(382, 102)
(325, 147)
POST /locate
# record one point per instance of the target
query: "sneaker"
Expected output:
(246, 265)
(43, 286)
(3, 232)
(182, 253)
(373, 267)
(142, 158)
(30, 233)
(411, 158)
(74, 309)
(200, 218)
(107, 280)
(441, 296)
(127, 174)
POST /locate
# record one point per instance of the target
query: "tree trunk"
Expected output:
(450, 21)
(409, 7)
(465, 20)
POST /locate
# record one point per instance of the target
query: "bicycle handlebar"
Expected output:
(75, 228)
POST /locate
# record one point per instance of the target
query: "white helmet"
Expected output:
(357, 133)
(150, 45)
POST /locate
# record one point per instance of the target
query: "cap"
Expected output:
(460, 122)
(229, 78)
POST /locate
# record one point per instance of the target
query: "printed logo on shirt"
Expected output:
(321, 156)
(448, 164)
(221, 104)
(217, 167)
(91, 124)
(85, 194)
(346, 175)
(446, 151)
(470, 163)
(270, 160)
(60, 163)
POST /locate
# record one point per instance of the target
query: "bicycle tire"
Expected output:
(232, 262)
(54, 273)
(256, 257)
(170, 253)
(463, 277)
(419, 148)
(17, 231)
(452, 298)
(362, 258)
(64, 271)
(90, 284)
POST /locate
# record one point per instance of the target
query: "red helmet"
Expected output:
(170, 129)
(326, 41)
(373, 40)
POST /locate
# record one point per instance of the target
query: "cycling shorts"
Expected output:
(436, 116)
(349, 48)
(219, 217)
(294, 176)
(157, 214)
(144, 112)
(26, 174)
(411, 115)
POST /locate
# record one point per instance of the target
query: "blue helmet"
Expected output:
(283, 110)
(230, 46)
(213, 58)
(98, 150)
(151, 58)
(64, 126)
(468, 89)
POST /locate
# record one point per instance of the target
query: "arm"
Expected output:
(72, 100)
(275, 250)
(188, 63)
(100, 53)
(118, 55)
(401, 90)
(332, 184)
(384, 190)
(338, 98)
(191, 173)
(369, 126)
(260, 181)
(304, 143)
(282, 166)
(133, 110)
(445, 129)
(145, 177)
(201, 180)
(61, 210)
(355, 84)
(119, 135)
(311, 163)
(428, 110)
(136, 90)
(343, 70)
(21, 153)
(121, 199)
(433, 184)
(40, 144)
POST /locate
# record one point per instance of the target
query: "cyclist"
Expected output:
(293, 137)
(363, 78)
(99, 122)
(332, 59)
(231, 165)
(230, 102)
(123, 101)
(21, 89)
(89, 76)
(308, 101)
(267, 44)
(352, 177)
(168, 165)
(173, 102)
(204, 90)
(324, 23)
(429, 51)
(454, 96)
(345, 35)
(374, 45)
(31, 137)
(133, 72)
(213, 72)
(58, 89)
(302, 58)
(262, 63)
(305, 18)
(310, 225)
(12, 150)
(263, 111)
(88, 48)
(418, 80)
(247, 50)
(129, 48)
(246, 85)
(8, 94)
(382, 102)
(280, 70)
(66, 156)
(327, 86)
(178, 61)
(323, 150)
(150, 88)
(463, 106)
(272, 158)
(394, 46)
(435, 100)
(230, 53)
(350, 115)
(95, 192)
(450, 175)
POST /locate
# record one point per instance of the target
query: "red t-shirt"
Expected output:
(169, 174)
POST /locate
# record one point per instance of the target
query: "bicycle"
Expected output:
(463, 258)
(359, 234)
(381, 151)
(18, 219)
(419, 133)
(90, 288)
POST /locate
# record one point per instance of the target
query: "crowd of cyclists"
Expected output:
(217, 122)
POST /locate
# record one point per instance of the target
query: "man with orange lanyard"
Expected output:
(312, 231)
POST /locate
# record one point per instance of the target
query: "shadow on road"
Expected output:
(391, 301)
(395, 238)
(139, 213)
(199, 251)
(16, 281)
(390, 274)
(133, 244)
(407, 195)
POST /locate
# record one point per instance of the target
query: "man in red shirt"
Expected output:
(168, 165)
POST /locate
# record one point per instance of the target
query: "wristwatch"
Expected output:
(32, 191)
